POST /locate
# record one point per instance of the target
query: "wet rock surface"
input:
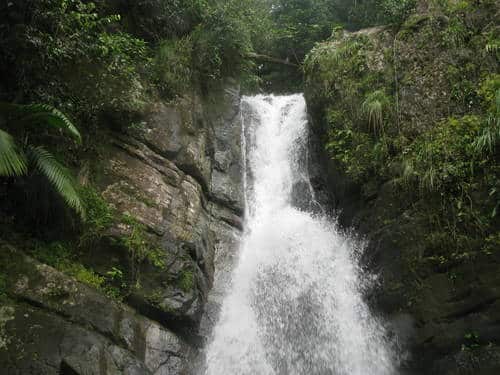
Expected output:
(445, 316)
(178, 174)
(58, 325)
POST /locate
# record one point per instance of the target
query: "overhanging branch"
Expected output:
(271, 59)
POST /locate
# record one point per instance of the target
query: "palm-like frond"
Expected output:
(59, 176)
(12, 162)
(42, 114)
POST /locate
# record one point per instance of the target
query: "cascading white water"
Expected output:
(295, 305)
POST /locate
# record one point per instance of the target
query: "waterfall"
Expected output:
(295, 304)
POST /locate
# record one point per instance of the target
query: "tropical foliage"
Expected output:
(20, 159)
(102, 62)
(440, 155)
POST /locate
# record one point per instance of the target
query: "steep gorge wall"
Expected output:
(442, 297)
(177, 173)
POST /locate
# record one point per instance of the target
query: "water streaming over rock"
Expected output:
(295, 303)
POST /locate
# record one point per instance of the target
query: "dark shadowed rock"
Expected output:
(177, 173)
(53, 323)
(446, 315)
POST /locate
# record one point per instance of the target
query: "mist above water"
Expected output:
(295, 304)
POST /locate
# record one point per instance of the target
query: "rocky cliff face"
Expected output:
(444, 307)
(177, 174)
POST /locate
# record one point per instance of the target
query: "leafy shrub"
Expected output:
(338, 69)
(221, 44)
(63, 53)
(157, 20)
(116, 80)
(445, 156)
(396, 11)
(353, 150)
(173, 66)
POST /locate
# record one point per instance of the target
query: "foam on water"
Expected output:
(295, 304)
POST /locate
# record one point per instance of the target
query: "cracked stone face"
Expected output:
(179, 193)
(179, 175)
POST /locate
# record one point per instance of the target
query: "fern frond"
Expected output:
(59, 176)
(46, 114)
(12, 161)
(42, 114)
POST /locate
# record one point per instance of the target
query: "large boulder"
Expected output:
(52, 324)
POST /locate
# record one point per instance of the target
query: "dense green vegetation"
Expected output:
(99, 64)
(299, 24)
(96, 66)
(88, 57)
(443, 155)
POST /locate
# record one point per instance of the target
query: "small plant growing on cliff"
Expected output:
(140, 247)
(99, 216)
(491, 133)
(20, 159)
(471, 341)
(61, 256)
(374, 108)
(456, 34)
(186, 280)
